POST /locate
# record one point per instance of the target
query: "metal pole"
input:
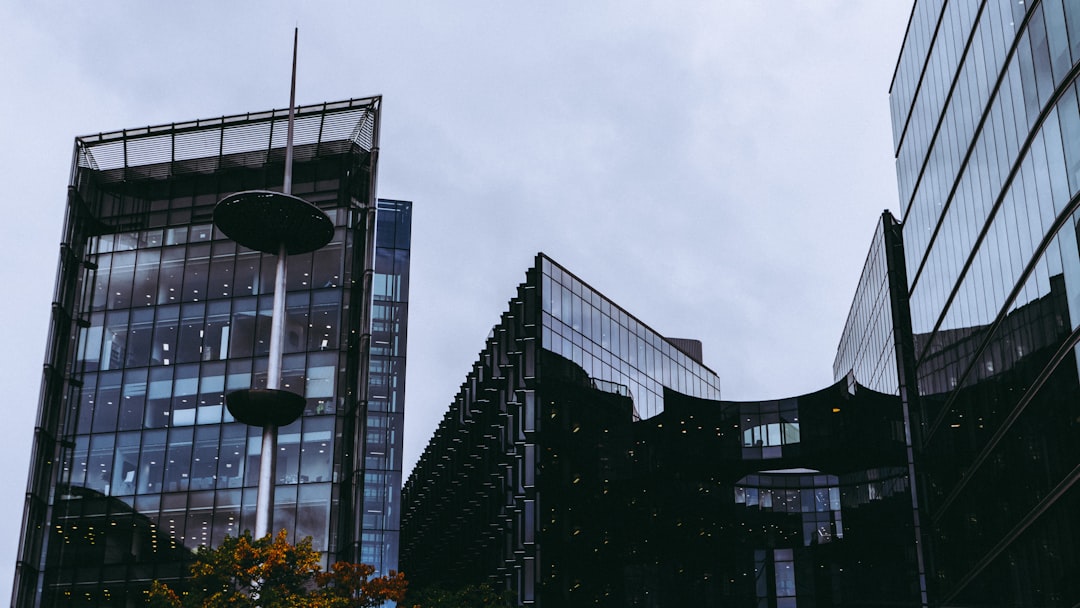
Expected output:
(287, 187)
(264, 505)
(265, 501)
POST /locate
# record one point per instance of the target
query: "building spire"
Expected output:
(277, 223)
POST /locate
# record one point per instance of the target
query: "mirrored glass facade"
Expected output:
(987, 131)
(473, 508)
(868, 345)
(612, 346)
(380, 513)
(157, 316)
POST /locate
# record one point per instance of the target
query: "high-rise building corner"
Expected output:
(157, 315)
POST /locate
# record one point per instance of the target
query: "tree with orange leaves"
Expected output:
(347, 585)
(273, 573)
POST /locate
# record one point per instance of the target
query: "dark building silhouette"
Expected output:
(157, 315)
(801, 501)
(473, 509)
(545, 477)
(877, 349)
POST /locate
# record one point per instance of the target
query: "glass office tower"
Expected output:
(987, 140)
(157, 315)
(474, 509)
(383, 435)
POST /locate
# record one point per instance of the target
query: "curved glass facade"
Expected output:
(987, 125)
(796, 502)
(158, 315)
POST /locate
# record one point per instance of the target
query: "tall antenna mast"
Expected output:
(281, 224)
(287, 186)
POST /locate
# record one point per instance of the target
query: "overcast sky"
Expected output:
(716, 168)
